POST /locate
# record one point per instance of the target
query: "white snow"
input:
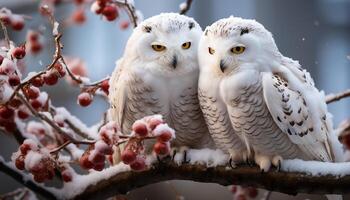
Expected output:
(55, 28)
(32, 159)
(81, 182)
(161, 128)
(208, 157)
(316, 168)
(183, 6)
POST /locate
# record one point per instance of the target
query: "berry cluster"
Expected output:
(148, 127)
(37, 161)
(244, 193)
(94, 157)
(106, 8)
(16, 22)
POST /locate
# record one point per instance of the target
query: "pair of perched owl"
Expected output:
(228, 84)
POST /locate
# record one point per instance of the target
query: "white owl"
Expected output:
(271, 101)
(158, 74)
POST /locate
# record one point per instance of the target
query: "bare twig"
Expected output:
(187, 7)
(4, 29)
(336, 97)
(130, 10)
(56, 150)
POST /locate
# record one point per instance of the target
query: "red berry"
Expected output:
(14, 80)
(6, 112)
(19, 52)
(15, 103)
(105, 86)
(36, 104)
(345, 140)
(161, 148)
(234, 189)
(37, 81)
(22, 114)
(128, 156)
(35, 47)
(17, 25)
(39, 178)
(99, 166)
(110, 12)
(140, 128)
(67, 176)
(85, 162)
(51, 78)
(84, 99)
(98, 158)
(33, 36)
(138, 164)
(25, 148)
(78, 16)
(32, 92)
(10, 126)
(124, 24)
(252, 192)
(165, 136)
(60, 69)
(5, 19)
(1, 59)
(20, 162)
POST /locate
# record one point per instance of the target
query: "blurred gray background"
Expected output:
(315, 32)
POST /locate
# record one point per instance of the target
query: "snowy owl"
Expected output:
(270, 102)
(158, 74)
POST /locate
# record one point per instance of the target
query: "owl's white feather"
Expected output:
(147, 81)
(272, 102)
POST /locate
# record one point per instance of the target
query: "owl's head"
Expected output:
(233, 44)
(166, 43)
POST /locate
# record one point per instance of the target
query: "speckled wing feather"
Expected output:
(187, 119)
(218, 121)
(130, 98)
(292, 114)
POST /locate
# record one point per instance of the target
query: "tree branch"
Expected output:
(28, 183)
(186, 8)
(285, 182)
(336, 97)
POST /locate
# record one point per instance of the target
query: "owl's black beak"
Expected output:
(174, 61)
(222, 66)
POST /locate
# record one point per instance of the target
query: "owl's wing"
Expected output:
(185, 111)
(295, 116)
(131, 99)
(219, 124)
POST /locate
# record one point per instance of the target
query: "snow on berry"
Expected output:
(37, 129)
(51, 77)
(140, 128)
(7, 66)
(17, 22)
(162, 148)
(164, 131)
(138, 164)
(128, 156)
(85, 99)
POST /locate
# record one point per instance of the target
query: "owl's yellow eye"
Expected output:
(238, 49)
(186, 45)
(211, 51)
(158, 47)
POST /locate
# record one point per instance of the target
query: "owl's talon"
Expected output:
(262, 171)
(173, 156)
(279, 165)
(185, 157)
(232, 163)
